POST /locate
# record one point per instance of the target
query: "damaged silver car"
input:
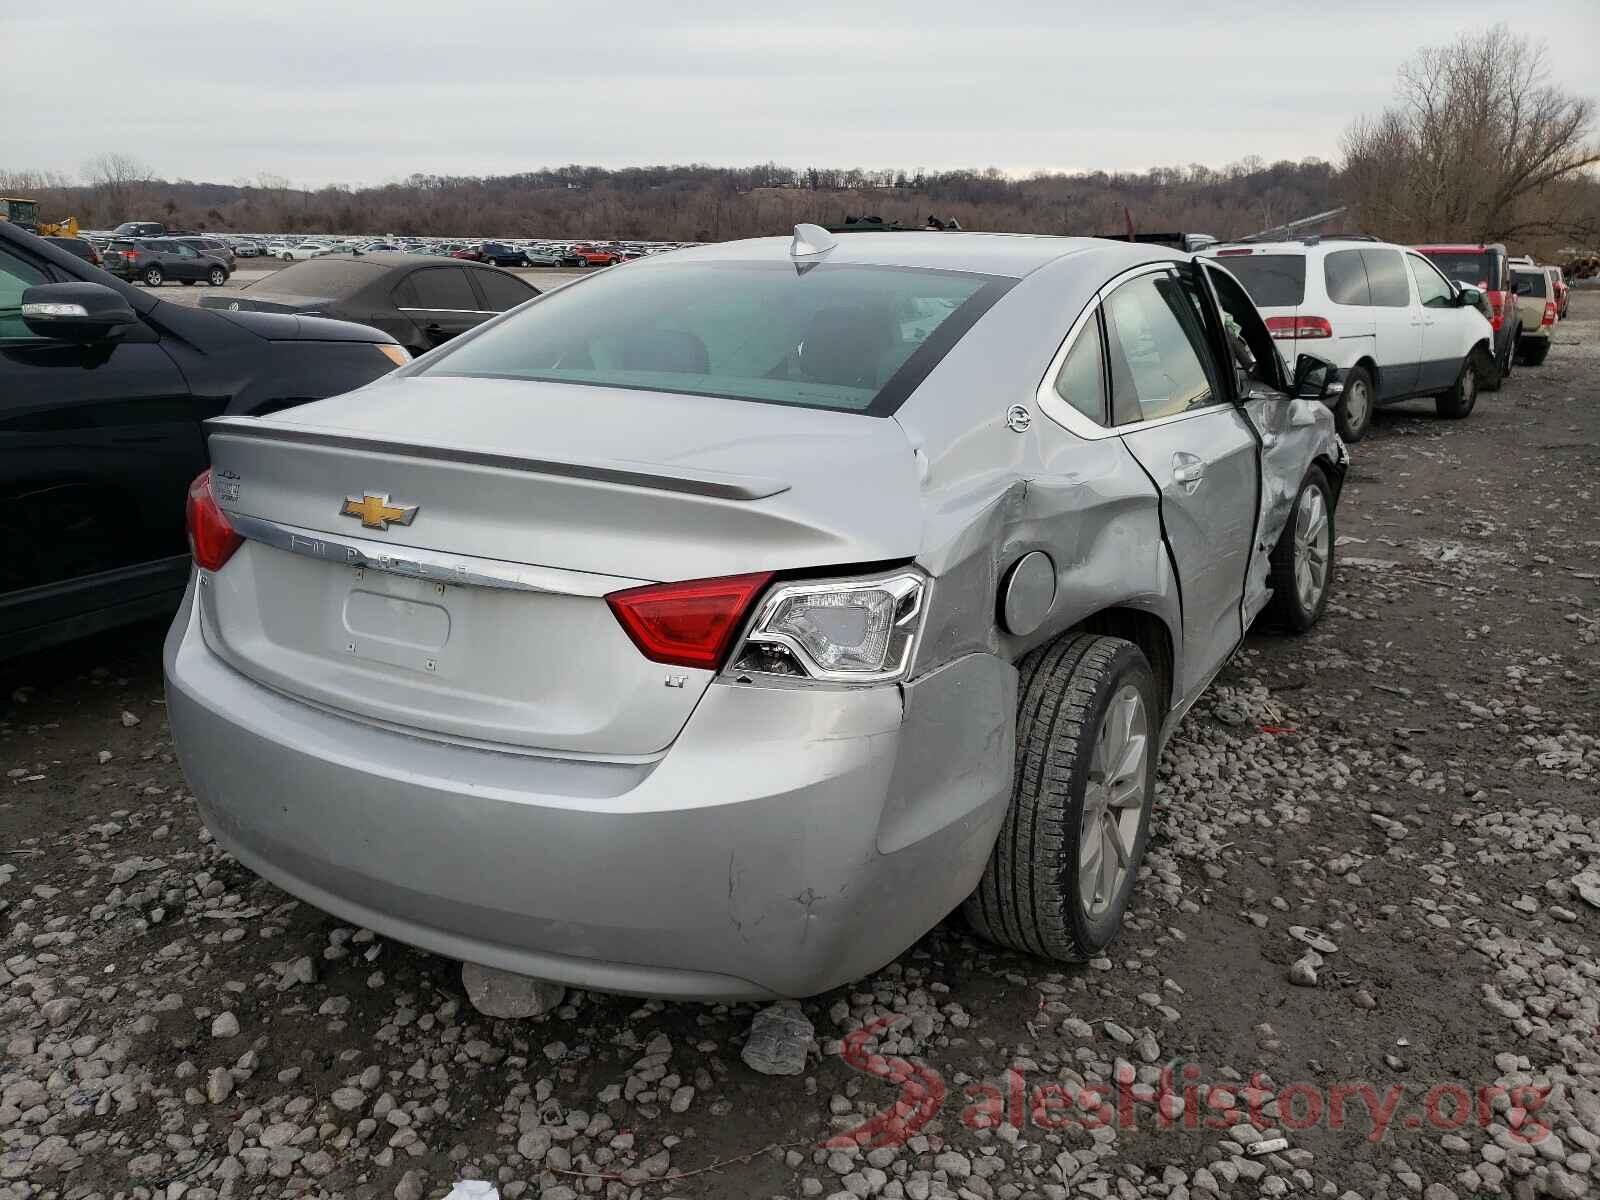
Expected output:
(713, 627)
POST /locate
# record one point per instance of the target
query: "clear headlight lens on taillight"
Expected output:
(858, 631)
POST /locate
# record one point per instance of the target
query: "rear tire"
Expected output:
(1088, 721)
(1301, 570)
(1537, 351)
(1460, 400)
(1353, 414)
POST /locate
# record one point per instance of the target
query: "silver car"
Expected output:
(714, 627)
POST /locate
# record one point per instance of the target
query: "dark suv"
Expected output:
(153, 261)
(104, 391)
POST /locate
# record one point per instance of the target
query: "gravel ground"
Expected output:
(1416, 782)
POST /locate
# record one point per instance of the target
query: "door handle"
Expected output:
(1187, 470)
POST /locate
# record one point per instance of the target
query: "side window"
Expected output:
(1346, 278)
(1081, 381)
(1387, 275)
(444, 287)
(16, 277)
(1157, 351)
(501, 292)
(404, 295)
(1431, 285)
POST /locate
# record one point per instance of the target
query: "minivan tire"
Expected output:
(1353, 425)
(1031, 896)
(1460, 400)
(153, 277)
(1289, 608)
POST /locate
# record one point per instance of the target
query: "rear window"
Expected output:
(845, 337)
(1480, 269)
(324, 277)
(1273, 280)
(1537, 280)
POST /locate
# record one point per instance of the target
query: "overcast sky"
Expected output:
(364, 92)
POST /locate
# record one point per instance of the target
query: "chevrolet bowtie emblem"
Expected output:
(375, 512)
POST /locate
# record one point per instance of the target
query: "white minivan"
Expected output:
(1382, 313)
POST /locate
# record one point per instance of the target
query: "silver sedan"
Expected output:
(715, 626)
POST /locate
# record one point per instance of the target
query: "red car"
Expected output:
(1485, 267)
(594, 256)
(470, 253)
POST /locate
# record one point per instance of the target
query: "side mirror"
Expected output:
(1468, 297)
(1316, 379)
(76, 312)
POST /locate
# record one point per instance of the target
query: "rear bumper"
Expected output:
(791, 840)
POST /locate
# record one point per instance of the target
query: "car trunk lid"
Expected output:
(404, 565)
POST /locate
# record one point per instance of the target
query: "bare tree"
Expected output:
(1477, 138)
(116, 179)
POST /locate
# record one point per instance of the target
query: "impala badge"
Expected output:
(375, 512)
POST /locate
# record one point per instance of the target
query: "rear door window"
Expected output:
(16, 277)
(1157, 351)
(1345, 276)
(444, 288)
(501, 292)
(1386, 274)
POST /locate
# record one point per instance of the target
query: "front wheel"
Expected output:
(218, 277)
(1353, 414)
(1301, 567)
(1061, 873)
(1459, 401)
(153, 277)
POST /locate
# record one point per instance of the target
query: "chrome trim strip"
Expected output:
(473, 312)
(429, 565)
(721, 485)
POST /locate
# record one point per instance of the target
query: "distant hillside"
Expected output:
(703, 203)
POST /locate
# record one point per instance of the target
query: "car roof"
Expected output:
(1007, 254)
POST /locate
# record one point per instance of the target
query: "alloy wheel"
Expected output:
(1113, 801)
(1311, 548)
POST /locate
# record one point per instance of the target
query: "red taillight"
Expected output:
(212, 540)
(1549, 313)
(689, 624)
(1288, 328)
(1497, 307)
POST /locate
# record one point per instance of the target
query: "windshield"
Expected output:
(1273, 280)
(1480, 269)
(322, 277)
(850, 338)
(23, 212)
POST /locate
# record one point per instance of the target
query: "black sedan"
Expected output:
(421, 302)
(103, 388)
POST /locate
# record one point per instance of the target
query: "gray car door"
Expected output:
(1174, 412)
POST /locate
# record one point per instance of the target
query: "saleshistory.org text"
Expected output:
(1178, 1101)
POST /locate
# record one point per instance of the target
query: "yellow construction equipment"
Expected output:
(25, 213)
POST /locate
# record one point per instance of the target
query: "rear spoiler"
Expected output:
(721, 485)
